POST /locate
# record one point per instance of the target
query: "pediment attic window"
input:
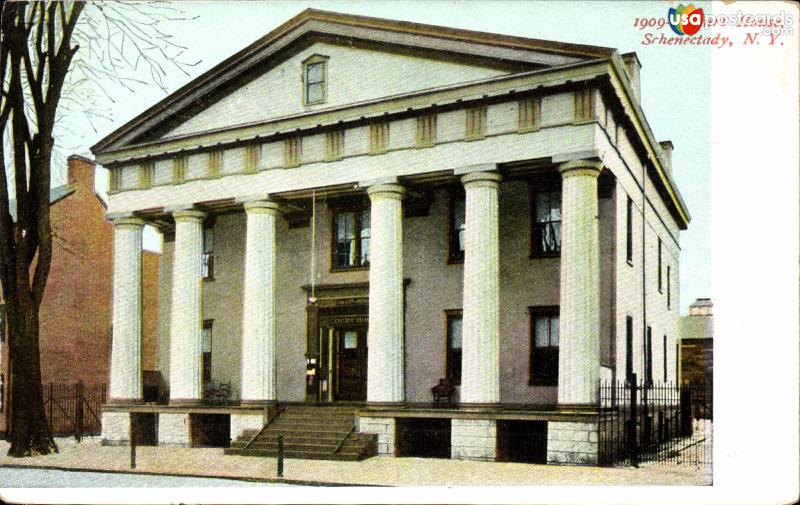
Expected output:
(315, 73)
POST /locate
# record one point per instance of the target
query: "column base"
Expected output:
(474, 439)
(116, 428)
(124, 402)
(572, 443)
(186, 402)
(384, 427)
(174, 429)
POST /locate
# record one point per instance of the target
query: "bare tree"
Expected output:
(42, 74)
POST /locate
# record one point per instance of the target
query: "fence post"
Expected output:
(686, 410)
(79, 411)
(133, 440)
(280, 455)
(50, 405)
(633, 445)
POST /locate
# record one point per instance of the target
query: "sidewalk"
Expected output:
(377, 471)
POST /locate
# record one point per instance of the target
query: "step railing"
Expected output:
(270, 420)
(341, 442)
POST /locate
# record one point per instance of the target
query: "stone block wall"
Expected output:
(173, 429)
(473, 439)
(116, 428)
(384, 427)
(242, 422)
(572, 443)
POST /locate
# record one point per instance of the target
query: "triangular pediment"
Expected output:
(366, 59)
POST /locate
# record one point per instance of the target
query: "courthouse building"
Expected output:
(354, 209)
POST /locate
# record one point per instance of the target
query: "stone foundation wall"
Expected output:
(173, 429)
(384, 427)
(473, 439)
(572, 443)
(241, 422)
(116, 428)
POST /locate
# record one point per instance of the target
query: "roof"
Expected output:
(56, 194)
(317, 22)
(519, 54)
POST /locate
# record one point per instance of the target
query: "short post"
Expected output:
(633, 445)
(133, 443)
(280, 455)
(79, 411)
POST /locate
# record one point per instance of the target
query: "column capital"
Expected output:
(489, 179)
(261, 207)
(586, 168)
(188, 215)
(386, 190)
(128, 221)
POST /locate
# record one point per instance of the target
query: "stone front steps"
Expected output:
(309, 432)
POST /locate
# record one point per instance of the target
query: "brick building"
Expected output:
(75, 318)
(697, 343)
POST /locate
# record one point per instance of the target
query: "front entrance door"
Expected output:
(350, 363)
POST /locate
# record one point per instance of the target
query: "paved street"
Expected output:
(37, 477)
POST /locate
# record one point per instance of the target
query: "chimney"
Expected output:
(666, 150)
(80, 172)
(633, 68)
(701, 307)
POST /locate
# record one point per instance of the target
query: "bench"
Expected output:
(443, 392)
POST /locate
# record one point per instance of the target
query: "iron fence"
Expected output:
(655, 423)
(74, 409)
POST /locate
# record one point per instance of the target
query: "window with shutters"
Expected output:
(544, 346)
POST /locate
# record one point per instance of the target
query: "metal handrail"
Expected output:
(341, 442)
(269, 421)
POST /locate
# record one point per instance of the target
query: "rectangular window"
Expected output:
(453, 357)
(648, 364)
(378, 137)
(669, 287)
(351, 232)
(115, 178)
(208, 326)
(476, 123)
(252, 158)
(426, 130)
(665, 358)
(458, 222)
(529, 113)
(215, 164)
(314, 74)
(546, 230)
(179, 169)
(584, 104)
(659, 267)
(629, 232)
(292, 152)
(334, 145)
(628, 347)
(146, 175)
(208, 253)
(544, 346)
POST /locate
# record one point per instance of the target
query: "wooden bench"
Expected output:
(443, 392)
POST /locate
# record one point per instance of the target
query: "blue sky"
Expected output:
(675, 79)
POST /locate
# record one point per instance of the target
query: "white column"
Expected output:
(480, 362)
(186, 324)
(258, 318)
(385, 381)
(579, 313)
(126, 343)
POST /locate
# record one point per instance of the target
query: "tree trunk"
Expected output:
(29, 430)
